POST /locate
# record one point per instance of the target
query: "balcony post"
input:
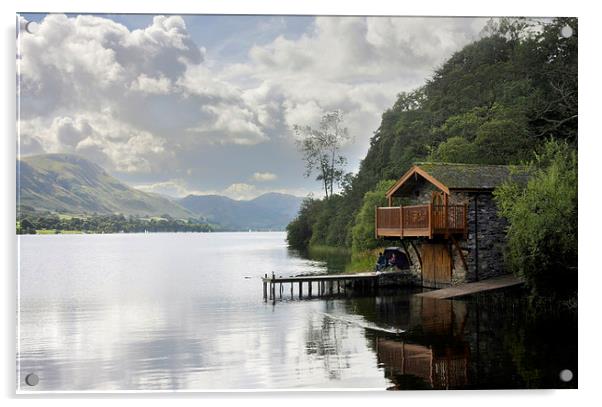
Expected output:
(400, 220)
(430, 216)
(446, 214)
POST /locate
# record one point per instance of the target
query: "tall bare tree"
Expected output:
(321, 150)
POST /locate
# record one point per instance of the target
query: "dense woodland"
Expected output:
(37, 222)
(510, 97)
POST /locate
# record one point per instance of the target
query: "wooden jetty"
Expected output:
(473, 288)
(325, 284)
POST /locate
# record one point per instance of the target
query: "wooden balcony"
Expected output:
(421, 220)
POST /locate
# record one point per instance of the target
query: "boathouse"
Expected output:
(447, 220)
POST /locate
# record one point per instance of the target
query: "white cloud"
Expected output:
(151, 102)
(127, 99)
(241, 190)
(146, 84)
(176, 188)
(354, 64)
(264, 176)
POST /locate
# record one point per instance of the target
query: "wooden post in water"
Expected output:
(292, 290)
(330, 286)
(338, 287)
(300, 289)
(273, 287)
(309, 288)
(265, 288)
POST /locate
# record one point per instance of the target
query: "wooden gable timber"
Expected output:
(413, 171)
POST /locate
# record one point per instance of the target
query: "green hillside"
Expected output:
(68, 183)
(496, 101)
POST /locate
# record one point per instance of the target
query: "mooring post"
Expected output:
(273, 287)
(292, 290)
(265, 288)
(280, 290)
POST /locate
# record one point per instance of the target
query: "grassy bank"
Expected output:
(322, 250)
(363, 261)
(58, 232)
(356, 263)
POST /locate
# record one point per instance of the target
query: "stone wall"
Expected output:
(486, 238)
(484, 246)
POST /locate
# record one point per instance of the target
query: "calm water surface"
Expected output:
(186, 312)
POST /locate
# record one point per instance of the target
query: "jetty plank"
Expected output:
(328, 277)
(473, 288)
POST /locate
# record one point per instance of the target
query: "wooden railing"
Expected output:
(420, 220)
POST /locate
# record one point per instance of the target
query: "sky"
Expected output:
(205, 104)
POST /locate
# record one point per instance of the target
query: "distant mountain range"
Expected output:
(269, 211)
(68, 183)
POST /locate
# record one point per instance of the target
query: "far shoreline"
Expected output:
(46, 232)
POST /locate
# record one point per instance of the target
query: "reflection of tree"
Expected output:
(324, 341)
(487, 341)
(542, 343)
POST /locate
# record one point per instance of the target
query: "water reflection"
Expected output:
(492, 341)
(185, 311)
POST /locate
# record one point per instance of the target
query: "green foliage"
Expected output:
(455, 150)
(43, 223)
(542, 237)
(299, 231)
(362, 231)
(25, 227)
(493, 102)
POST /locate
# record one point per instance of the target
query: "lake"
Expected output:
(185, 311)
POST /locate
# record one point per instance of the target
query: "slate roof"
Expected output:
(466, 176)
(474, 176)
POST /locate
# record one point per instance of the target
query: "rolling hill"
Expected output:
(71, 184)
(67, 183)
(271, 211)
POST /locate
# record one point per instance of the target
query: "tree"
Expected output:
(363, 230)
(26, 227)
(455, 150)
(495, 101)
(321, 147)
(542, 236)
(299, 231)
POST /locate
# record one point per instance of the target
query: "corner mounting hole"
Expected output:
(566, 31)
(566, 375)
(32, 379)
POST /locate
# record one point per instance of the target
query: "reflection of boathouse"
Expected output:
(432, 350)
(447, 220)
(445, 368)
